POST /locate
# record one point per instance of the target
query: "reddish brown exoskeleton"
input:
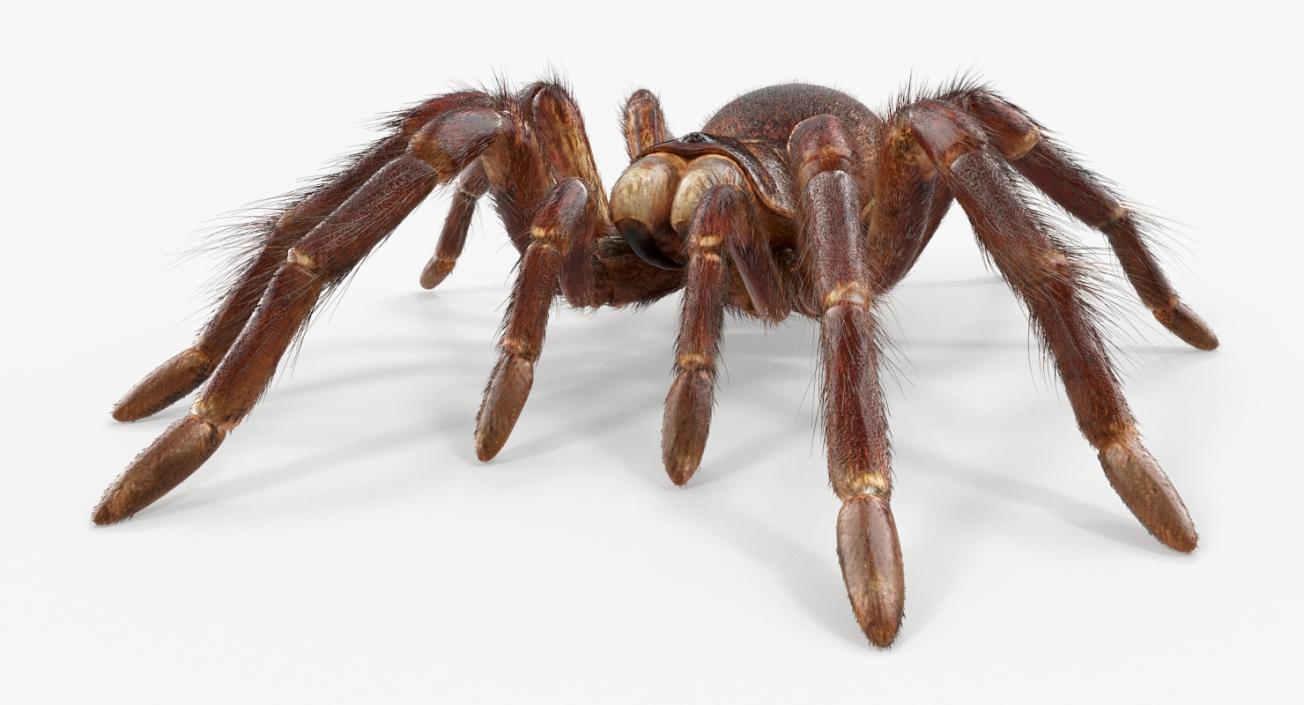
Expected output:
(792, 198)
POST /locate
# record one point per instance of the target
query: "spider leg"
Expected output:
(723, 221)
(642, 122)
(558, 127)
(471, 185)
(855, 423)
(909, 204)
(1053, 169)
(1048, 280)
(184, 372)
(560, 254)
(562, 219)
(435, 154)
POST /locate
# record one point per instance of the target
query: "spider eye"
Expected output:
(696, 138)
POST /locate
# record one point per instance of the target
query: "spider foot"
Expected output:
(686, 422)
(1147, 492)
(1185, 324)
(165, 385)
(160, 467)
(436, 271)
(509, 386)
(870, 555)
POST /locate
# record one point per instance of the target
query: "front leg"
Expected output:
(561, 221)
(559, 244)
(722, 236)
(853, 413)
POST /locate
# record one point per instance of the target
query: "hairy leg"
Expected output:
(1054, 170)
(559, 128)
(561, 253)
(561, 220)
(854, 417)
(908, 207)
(184, 372)
(722, 235)
(553, 147)
(435, 154)
(529, 151)
(1049, 282)
(687, 418)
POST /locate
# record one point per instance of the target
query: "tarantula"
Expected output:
(791, 199)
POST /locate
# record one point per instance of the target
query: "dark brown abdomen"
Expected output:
(770, 113)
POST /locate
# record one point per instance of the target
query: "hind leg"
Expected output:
(184, 372)
(1090, 199)
(1048, 280)
(321, 258)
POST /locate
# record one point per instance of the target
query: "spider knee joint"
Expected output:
(694, 362)
(851, 293)
(944, 134)
(820, 144)
(215, 418)
(1058, 262)
(870, 483)
(707, 244)
(1048, 267)
(1115, 215)
(1013, 131)
(301, 259)
(1017, 147)
(447, 144)
(544, 238)
(517, 347)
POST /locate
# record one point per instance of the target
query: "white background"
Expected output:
(345, 545)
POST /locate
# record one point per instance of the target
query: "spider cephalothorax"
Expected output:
(792, 198)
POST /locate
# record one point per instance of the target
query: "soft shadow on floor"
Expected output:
(606, 392)
(1116, 526)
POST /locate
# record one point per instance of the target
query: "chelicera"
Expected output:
(792, 199)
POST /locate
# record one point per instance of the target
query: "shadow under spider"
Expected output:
(615, 418)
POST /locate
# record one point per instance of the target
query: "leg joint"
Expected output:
(1115, 215)
(944, 132)
(1014, 133)
(820, 144)
(1016, 147)
(1036, 269)
(691, 362)
(852, 293)
(450, 142)
(518, 347)
(855, 484)
(706, 244)
(298, 258)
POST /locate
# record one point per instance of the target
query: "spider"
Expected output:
(791, 199)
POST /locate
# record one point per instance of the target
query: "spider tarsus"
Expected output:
(436, 271)
(160, 467)
(1147, 492)
(870, 555)
(681, 470)
(508, 388)
(1185, 324)
(685, 424)
(170, 381)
